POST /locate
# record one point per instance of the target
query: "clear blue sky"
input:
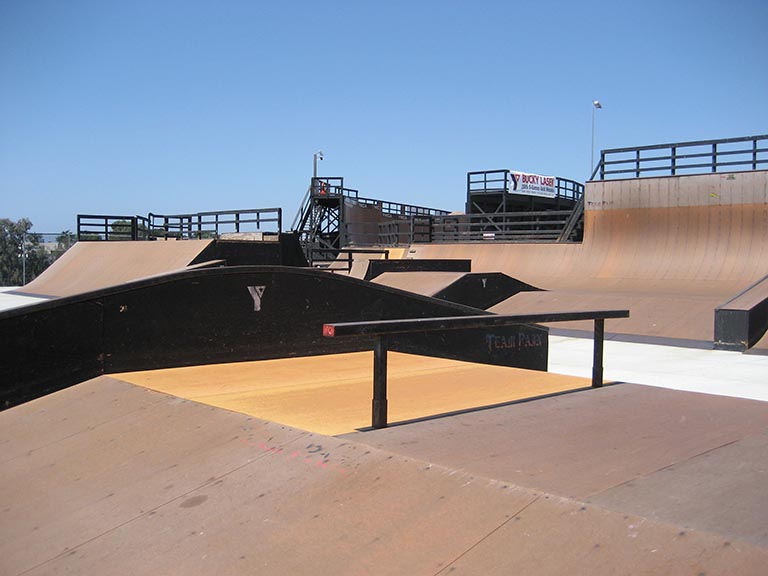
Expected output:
(175, 106)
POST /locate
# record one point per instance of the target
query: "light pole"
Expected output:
(595, 106)
(23, 258)
(317, 155)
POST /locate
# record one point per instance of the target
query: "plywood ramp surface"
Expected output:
(656, 316)
(669, 249)
(425, 283)
(332, 394)
(112, 479)
(90, 266)
(688, 458)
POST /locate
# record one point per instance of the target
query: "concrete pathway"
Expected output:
(8, 301)
(694, 370)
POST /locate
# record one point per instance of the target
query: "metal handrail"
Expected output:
(750, 157)
(498, 181)
(202, 224)
(182, 226)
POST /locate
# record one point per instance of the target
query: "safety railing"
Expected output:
(91, 227)
(500, 181)
(213, 224)
(684, 158)
(401, 210)
(381, 329)
(539, 226)
(328, 258)
(178, 226)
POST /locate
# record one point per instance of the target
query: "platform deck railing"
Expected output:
(329, 258)
(178, 226)
(684, 158)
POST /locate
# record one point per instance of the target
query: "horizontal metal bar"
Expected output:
(679, 167)
(742, 162)
(658, 168)
(686, 144)
(634, 161)
(381, 327)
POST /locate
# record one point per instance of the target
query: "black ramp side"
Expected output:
(483, 290)
(48, 348)
(518, 346)
(378, 267)
(282, 250)
(210, 316)
(741, 322)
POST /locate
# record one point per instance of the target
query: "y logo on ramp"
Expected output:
(256, 293)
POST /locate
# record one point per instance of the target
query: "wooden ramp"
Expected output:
(109, 478)
(89, 266)
(670, 249)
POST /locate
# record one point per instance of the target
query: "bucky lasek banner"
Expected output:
(532, 184)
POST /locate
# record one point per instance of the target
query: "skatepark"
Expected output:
(191, 404)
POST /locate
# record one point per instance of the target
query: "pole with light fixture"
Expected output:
(317, 155)
(595, 106)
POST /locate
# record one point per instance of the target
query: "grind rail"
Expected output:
(381, 329)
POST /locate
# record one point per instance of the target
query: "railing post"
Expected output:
(714, 157)
(674, 159)
(379, 419)
(597, 359)
(754, 154)
(602, 165)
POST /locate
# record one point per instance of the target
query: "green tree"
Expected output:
(121, 230)
(22, 257)
(64, 242)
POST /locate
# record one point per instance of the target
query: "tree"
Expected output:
(22, 257)
(121, 230)
(64, 242)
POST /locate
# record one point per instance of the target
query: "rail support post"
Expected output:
(597, 359)
(380, 383)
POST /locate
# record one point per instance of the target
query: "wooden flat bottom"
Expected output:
(332, 394)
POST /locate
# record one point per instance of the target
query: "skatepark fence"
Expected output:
(684, 158)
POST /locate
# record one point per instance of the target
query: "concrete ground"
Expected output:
(690, 369)
(9, 301)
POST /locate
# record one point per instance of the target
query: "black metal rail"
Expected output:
(178, 226)
(684, 158)
(538, 226)
(326, 257)
(383, 328)
(503, 227)
(112, 227)
(213, 224)
(500, 181)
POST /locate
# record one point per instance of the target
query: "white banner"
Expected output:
(532, 184)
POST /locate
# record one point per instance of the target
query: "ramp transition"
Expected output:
(670, 249)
